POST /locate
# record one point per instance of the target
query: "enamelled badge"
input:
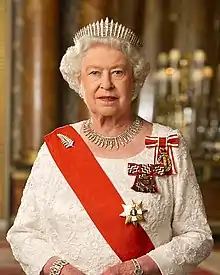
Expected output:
(163, 152)
(145, 176)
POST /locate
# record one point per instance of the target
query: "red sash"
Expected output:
(97, 195)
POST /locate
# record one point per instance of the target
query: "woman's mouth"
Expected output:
(108, 99)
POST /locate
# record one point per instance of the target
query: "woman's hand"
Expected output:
(148, 265)
(125, 268)
(66, 270)
(71, 270)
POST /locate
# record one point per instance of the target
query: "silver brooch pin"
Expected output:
(66, 141)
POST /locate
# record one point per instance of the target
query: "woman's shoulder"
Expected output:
(160, 130)
(43, 153)
(77, 126)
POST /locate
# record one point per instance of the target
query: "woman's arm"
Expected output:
(192, 239)
(27, 235)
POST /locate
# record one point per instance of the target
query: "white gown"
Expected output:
(52, 222)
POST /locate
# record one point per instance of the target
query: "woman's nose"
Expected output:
(106, 81)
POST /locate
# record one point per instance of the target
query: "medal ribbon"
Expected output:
(145, 169)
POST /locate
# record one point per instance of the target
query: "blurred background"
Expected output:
(182, 43)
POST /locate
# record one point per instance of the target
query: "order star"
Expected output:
(133, 213)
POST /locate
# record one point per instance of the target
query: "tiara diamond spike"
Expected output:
(93, 29)
(126, 32)
(102, 28)
(111, 28)
(106, 26)
(133, 39)
(97, 28)
(108, 29)
(122, 31)
(129, 34)
(90, 30)
(115, 29)
(119, 30)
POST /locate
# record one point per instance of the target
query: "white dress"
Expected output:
(51, 221)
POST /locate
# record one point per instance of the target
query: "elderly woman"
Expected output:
(113, 194)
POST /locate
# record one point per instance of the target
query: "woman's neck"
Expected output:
(111, 126)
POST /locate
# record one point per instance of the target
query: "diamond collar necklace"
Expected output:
(112, 142)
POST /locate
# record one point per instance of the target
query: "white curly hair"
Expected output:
(70, 65)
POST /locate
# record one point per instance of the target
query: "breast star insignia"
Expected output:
(133, 213)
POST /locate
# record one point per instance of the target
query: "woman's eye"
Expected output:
(95, 73)
(118, 73)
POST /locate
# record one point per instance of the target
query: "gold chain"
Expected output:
(112, 142)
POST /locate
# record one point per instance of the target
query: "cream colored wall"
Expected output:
(2, 103)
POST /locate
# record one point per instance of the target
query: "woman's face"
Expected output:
(106, 81)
